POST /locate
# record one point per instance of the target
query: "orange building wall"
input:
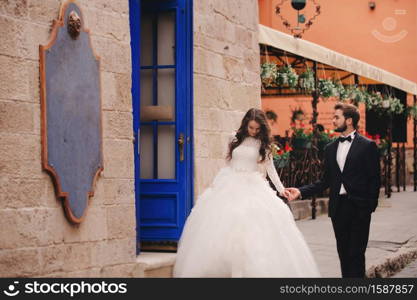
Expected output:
(385, 37)
(283, 108)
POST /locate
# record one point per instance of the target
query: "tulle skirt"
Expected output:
(240, 228)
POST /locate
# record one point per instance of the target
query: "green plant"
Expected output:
(286, 76)
(327, 88)
(306, 80)
(300, 132)
(281, 157)
(268, 74)
(394, 105)
(297, 114)
(412, 111)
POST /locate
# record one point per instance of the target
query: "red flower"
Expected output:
(287, 148)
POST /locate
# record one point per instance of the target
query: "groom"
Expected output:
(352, 171)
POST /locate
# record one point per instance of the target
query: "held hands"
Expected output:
(293, 193)
(285, 194)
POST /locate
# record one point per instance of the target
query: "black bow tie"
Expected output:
(342, 139)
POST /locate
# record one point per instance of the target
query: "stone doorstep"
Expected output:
(155, 264)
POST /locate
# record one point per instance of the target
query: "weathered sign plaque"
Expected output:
(71, 111)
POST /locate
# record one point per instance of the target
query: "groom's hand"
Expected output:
(294, 193)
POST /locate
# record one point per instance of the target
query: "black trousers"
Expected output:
(351, 228)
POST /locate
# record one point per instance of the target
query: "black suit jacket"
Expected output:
(360, 177)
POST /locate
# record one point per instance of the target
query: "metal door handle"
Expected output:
(181, 146)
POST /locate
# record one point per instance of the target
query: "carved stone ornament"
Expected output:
(74, 25)
(71, 122)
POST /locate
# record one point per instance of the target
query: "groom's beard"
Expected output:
(341, 128)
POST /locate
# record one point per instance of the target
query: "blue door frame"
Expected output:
(162, 205)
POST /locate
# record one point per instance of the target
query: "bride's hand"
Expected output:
(285, 194)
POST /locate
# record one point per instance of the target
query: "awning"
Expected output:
(309, 50)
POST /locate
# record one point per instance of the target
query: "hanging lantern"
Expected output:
(298, 4)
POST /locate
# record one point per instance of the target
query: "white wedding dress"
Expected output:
(240, 228)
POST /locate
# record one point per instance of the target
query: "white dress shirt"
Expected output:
(342, 151)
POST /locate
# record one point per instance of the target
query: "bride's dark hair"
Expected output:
(259, 117)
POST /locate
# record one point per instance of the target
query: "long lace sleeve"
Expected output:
(272, 173)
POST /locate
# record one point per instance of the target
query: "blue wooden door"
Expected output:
(161, 40)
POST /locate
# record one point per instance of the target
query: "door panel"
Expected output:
(162, 96)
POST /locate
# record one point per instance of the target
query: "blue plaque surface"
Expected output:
(71, 112)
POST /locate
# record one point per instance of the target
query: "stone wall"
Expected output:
(226, 78)
(35, 237)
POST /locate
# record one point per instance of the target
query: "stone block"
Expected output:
(16, 81)
(113, 252)
(87, 273)
(21, 192)
(114, 56)
(108, 91)
(93, 228)
(24, 228)
(107, 24)
(76, 257)
(252, 78)
(234, 69)
(203, 7)
(201, 145)
(19, 262)
(244, 36)
(251, 61)
(119, 191)
(115, 7)
(118, 125)
(121, 222)
(16, 8)
(116, 91)
(204, 24)
(16, 117)
(21, 155)
(118, 159)
(211, 92)
(209, 63)
(52, 259)
(44, 11)
(118, 271)
(202, 118)
(216, 148)
(224, 29)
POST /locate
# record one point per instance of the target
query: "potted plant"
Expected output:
(286, 77)
(381, 143)
(268, 74)
(281, 156)
(301, 138)
(306, 80)
(327, 88)
(325, 137)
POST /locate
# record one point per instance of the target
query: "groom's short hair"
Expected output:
(349, 111)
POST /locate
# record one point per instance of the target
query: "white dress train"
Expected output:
(240, 228)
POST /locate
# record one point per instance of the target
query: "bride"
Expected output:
(239, 227)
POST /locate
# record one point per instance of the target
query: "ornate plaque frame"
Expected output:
(71, 122)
